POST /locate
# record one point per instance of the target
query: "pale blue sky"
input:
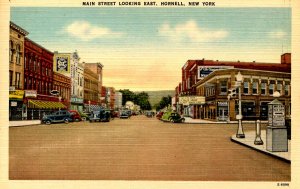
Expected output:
(144, 48)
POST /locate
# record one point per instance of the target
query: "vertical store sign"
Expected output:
(61, 63)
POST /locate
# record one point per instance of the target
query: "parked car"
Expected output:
(124, 115)
(100, 116)
(173, 117)
(58, 117)
(75, 115)
(159, 115)
(149, 114)
(176, 118)
(85, 115)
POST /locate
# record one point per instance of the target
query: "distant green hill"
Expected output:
(155, 96)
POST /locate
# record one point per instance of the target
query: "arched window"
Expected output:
(11, 51)
(18, 58)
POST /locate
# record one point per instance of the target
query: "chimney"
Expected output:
(286, 58)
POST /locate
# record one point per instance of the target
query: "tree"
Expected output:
(141, 99)
(127, 95)
(164, 102)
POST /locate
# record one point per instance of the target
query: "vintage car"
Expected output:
(100, 116)
(58, 117)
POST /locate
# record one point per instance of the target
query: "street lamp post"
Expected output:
(228, 114)
(59, 99)
(239, 117)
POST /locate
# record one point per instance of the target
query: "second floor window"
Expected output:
(254, 88)
(246, 87)
(17, 80)
(279, 88)
(18, 58)
(223, 87)
(11, 51)
(287, 90)
(10, 77)
(271, 89)
(263, 88)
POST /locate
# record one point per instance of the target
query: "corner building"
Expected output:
(16, 71)
(211, 80)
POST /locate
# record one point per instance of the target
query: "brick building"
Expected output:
(211, 80)
(16, 71)
(38, 81)
(62, 84)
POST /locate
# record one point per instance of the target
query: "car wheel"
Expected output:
(66, 121)
(172, 120)
(76, 119)
(183, 120)
(83, 119)
(48, 122)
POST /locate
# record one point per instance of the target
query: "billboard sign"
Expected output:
(204, 71)
(191, 100)
(31, 93)
(61, 63)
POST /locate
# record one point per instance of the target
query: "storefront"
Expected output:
(77, 104)
(16, 108)
(39, 105)
(222, 112)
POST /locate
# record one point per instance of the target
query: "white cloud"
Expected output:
(277, 35)
(87, 32)
(192, 32)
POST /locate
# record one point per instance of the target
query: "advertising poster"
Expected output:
(61, 63)
(175, 60)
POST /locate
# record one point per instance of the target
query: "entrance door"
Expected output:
(223, 113)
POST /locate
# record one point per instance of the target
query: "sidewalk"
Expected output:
(248, 141)
(195, 121)
(24, 123)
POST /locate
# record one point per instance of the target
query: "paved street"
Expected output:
(139, 148)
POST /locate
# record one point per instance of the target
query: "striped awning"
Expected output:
(39, 104)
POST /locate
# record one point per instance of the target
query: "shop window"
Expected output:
(223, 87)
(246, 87)
(254, 87)
(263, 88)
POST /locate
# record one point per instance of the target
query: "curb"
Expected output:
(280, 158)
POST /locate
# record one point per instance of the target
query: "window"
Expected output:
(10, 77)
(263, 88)
(25, 62)
(34, 65)
(11, 51)
(271, 89)
(25, 83)
(279, 88)
(223, 87)
(18, 58)
(17, 80)
(254, 87)
(287, 88)
(246, 87)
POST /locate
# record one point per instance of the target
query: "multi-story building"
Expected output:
(118, 100)
(206, 84)
(110, 96)
(68, 65)
(16, 71)
(62, 84)
(97, 69)
(91, 90)
(38, 81)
